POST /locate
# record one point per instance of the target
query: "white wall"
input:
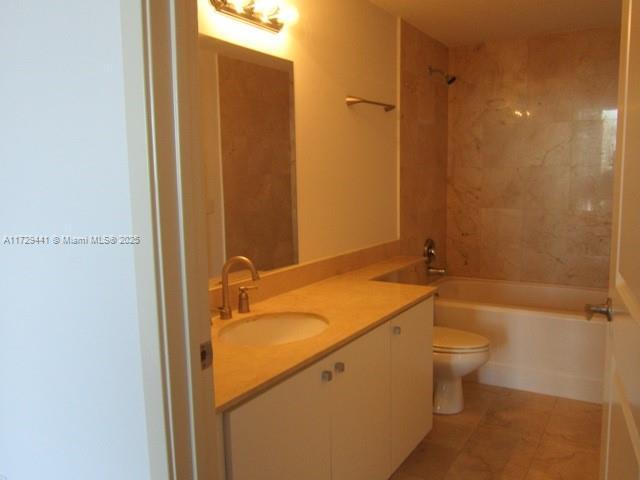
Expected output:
(346, 158)
(71, 394)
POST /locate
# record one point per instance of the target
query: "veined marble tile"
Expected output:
(589, 234)
(427, 462)
(423, 142)
(556, 460)
(503, 187)
(494, 452)
(545, 231)
(576, 422)
(501, 227)
(543, 267)
(546, 187)
(593, 142)
(506, 434)
(587, 270)
(591, 189)
(532, 128)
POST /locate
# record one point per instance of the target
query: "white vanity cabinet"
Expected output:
(360, 399)
(284, 433)
(411, 380)
(355, 415)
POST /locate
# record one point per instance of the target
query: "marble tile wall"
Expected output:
(532, 127)
(423, 142)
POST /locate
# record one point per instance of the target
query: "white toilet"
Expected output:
(456, 353)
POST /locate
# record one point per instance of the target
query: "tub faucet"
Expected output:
(429, 251)
(436, 271)
(225, 309)
(429, 257)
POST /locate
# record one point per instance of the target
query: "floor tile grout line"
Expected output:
(475, 430)
(539, 443)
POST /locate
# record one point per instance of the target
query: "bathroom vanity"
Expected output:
(350, 403)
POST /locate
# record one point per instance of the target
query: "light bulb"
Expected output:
(266, 8)
(239, 5)
(288, 14)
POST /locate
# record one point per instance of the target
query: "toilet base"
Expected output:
(447, 396)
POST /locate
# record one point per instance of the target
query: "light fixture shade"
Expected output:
(245, 10)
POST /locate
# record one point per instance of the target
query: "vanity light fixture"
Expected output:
(268, 14)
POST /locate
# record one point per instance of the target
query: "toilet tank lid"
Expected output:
(450, 338)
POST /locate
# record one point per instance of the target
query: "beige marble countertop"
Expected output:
(352, 303)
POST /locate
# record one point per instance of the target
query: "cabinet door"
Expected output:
(284, 433)
(411, 379)
(360, 400)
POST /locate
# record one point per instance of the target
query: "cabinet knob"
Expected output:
(397, 330)
(339, 367)
(327, 376)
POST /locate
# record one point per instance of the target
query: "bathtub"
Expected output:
(540, 339)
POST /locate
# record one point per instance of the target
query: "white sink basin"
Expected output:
(274, 329)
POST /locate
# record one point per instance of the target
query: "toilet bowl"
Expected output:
(456, 353)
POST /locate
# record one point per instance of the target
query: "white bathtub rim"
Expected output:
(522, 310)
(494, 281)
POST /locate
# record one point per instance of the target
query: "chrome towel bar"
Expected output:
(355, 100)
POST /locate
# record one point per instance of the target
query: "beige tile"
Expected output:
(591, 189)
(501, 227)
(494, 452)
(504, 144)
(545, 231)
(543, 267)
(478, 398)
(551, 68)
(503, 262)
(589, 233)
(452, 431)
(504, 444)
(523, 412)
(575, 422)
(402, 476)
(593, 142)
(526, 142)
(465, 185)
(423, 142)
(587, 271)
(545, 187)
(556, 460)
(502, 188)
(463, 251)
(537, 119)
(428, 461)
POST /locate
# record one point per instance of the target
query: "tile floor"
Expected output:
(509, 435)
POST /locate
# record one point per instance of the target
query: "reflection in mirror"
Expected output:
(256, 161)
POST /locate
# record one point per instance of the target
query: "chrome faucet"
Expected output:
(225, 309)
(429, 251)
(429, 257)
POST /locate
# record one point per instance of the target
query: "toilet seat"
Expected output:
(450, 340)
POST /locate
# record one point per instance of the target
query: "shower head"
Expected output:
(449, 79)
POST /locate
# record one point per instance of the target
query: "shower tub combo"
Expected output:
(540, 339)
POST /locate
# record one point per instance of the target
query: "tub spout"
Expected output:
(436, 271)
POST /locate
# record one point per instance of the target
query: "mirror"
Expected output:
(255, 167)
